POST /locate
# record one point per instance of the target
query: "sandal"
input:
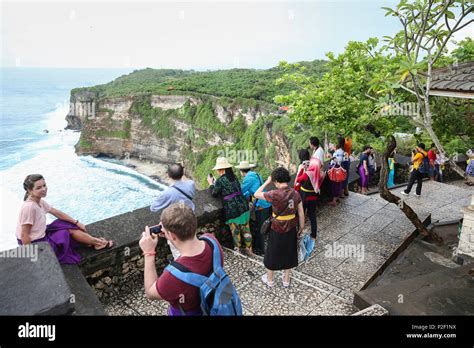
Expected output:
(285, 284)
(108, 244)
(265, 280)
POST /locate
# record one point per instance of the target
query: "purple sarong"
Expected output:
(58, 236)
(336, 188)
(364, 179)
(176, 312)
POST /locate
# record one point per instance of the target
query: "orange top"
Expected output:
(348, 145)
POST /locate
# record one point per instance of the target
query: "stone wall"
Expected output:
(120, 278)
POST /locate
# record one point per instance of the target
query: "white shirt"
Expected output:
(319, 153)
(372, 162)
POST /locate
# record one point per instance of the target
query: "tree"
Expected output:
(428, 26)
(349, 97)
(464, 52)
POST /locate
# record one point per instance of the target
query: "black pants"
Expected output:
(310, 211)
(415, 175)
(258, 238)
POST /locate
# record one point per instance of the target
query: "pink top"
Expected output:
(33, 214)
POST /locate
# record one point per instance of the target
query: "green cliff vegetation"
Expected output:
(252, 141)
(234, 83)
(245, 90)
(157, 119)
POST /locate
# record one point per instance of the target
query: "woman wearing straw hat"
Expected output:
(250, 184)
(236, 210)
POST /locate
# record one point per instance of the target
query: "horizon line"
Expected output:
(149, 67)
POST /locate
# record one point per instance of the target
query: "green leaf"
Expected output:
(449, 14)
(388, 10)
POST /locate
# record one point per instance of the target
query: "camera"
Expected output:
(306, 163)
(156, 229)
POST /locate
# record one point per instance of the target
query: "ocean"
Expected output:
(33, 106)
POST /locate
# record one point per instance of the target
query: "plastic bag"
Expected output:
(301, 250)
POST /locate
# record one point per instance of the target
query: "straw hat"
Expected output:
(222, 163)
(245, 165)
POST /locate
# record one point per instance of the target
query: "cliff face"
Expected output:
(163, 128)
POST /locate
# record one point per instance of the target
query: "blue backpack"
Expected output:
(218, 295)
(424, 166)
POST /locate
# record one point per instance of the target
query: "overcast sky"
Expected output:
(187, 35)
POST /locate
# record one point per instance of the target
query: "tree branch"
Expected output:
(472, 20)
(446, 21)
(407, 89)
(423, 29)
(448, 37)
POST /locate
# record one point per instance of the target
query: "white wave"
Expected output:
(9, 207)
(122, 168)
(65, 138)
(56, 120)
(87, 188)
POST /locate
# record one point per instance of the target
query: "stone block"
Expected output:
(33, 287)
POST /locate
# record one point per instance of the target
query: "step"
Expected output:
(83, 296)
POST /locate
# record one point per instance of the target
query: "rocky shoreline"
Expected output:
(155, 171)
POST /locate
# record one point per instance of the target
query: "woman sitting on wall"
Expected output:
(62, 234)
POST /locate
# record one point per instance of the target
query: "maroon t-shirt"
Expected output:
(284, 202)
(177, 292)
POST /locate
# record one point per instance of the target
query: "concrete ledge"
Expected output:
(447, 292)
(33, 287)
(83, 297)
(408, 240)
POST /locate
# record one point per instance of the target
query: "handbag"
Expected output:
(337, 174)
(267, 224)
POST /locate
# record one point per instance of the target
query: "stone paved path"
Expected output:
(324, 284)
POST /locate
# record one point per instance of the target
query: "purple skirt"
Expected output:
(59, 238)
(336, 188)
(364, 179)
